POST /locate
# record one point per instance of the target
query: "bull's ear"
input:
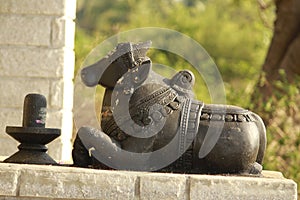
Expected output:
(183, 82)
(89, 79)
(142, 72)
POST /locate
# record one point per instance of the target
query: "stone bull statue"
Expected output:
(153, 123)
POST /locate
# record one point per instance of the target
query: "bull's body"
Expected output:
(147, 114)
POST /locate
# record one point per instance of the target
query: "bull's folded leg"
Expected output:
(82, 155)
(255, 168)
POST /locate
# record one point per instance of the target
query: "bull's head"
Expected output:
(112, 67)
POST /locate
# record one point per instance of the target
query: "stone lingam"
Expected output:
(152, 123)
(33, 135)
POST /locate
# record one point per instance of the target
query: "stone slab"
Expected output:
(25, 30)
(73, 183)
(57, 182)
(54, 90)
(9, 181)
(218, 187)
(32, 62)
(39, 7)
(41, 31)
(163, 186)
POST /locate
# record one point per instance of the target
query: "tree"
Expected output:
(277, 95)
(285, 46)
(281, 70)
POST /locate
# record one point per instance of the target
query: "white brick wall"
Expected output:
(39, 7)
(41, 63)
(25, 30)
(36, 56)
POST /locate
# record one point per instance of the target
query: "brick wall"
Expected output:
(36, 56)
(24, 182)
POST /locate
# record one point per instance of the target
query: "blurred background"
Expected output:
(259, 60)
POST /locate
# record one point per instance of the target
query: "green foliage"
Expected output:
(283, 130)
(231, 32)
(102, 16)
(82, 47)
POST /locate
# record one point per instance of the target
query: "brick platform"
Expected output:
(26, 182)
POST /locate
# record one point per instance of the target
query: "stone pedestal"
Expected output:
(36, 56)
(53, 182)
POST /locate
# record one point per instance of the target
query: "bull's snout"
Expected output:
(89, 79)
(91, 75)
